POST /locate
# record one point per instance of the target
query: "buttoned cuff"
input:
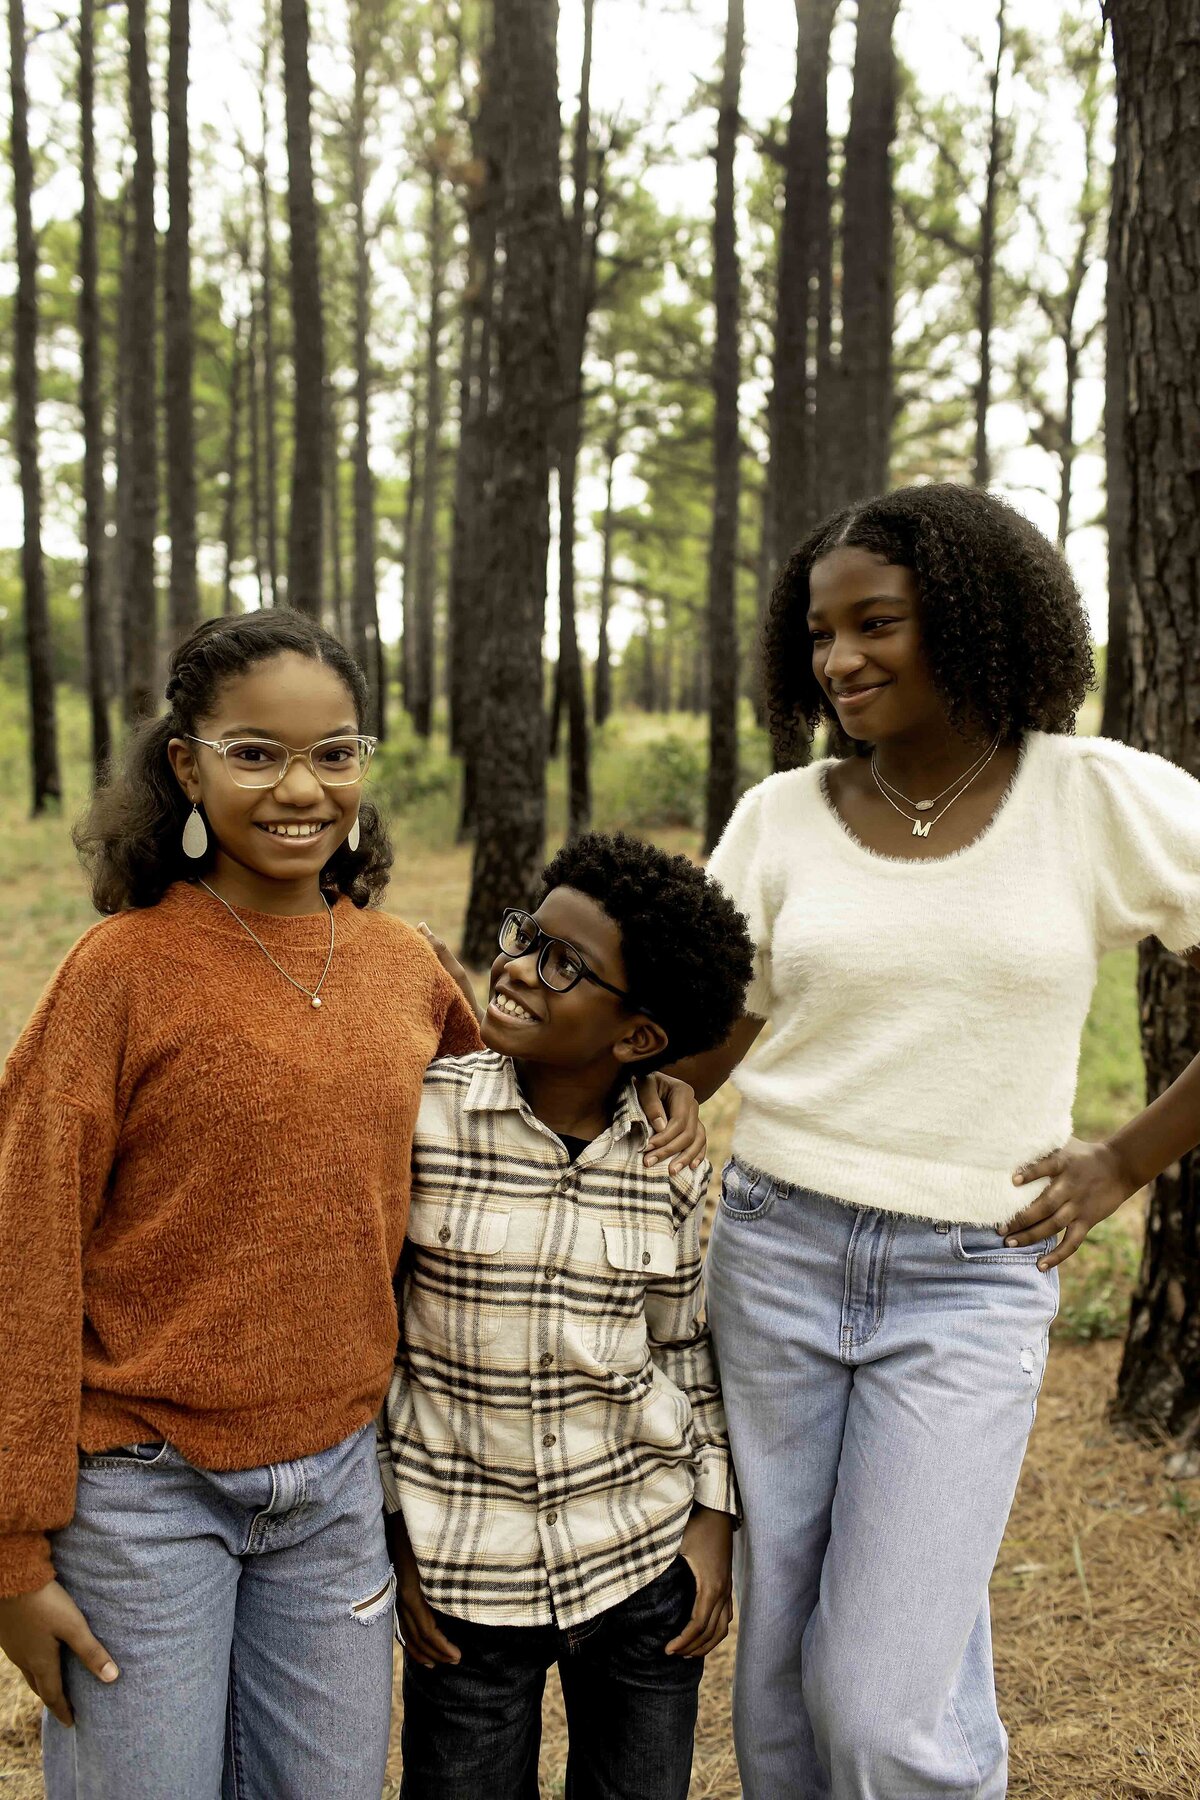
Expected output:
(716, 1487)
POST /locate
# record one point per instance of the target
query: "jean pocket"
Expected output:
(980, 1244)
(745, 1194)
(121, 1456)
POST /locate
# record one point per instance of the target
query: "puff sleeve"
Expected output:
(1140, 819)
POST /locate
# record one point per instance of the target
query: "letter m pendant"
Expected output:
(921, 829)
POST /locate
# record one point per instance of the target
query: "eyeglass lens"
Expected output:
(559, 966)
(257, 762)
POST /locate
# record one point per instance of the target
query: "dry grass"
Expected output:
(1096, 1603)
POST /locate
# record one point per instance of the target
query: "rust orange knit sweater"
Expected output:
(203, 1193)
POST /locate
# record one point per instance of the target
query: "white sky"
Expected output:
(650, 57)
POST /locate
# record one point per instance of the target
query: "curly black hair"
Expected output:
(129, 840)
(1002, 622)
(686, 949)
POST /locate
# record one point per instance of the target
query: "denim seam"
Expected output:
(235, 1733)
(966, 1746)
(880, 1284)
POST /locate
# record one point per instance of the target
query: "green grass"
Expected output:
(648, 777)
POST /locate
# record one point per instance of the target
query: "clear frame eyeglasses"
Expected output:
(262, 763)
(560, 966)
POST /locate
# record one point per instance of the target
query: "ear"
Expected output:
(185, 768)
(643, 1038)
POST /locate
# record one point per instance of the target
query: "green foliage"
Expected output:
(408, 769)
(1097, 1283)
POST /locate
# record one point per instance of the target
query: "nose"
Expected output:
(843, 657)
(299, 787)
(524, 968)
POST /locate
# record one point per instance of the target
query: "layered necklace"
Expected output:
(312, 995)
(956, 789)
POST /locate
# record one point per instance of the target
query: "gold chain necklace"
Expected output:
(313, 995)
(922, 827)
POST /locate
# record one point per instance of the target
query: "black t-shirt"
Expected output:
(573, 1146)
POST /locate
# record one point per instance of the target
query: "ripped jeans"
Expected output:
(880, 1374)
(250, 1614)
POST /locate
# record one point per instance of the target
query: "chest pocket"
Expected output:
(454, 1292)
(633, 1255)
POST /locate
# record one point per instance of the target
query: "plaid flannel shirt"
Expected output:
(555, 1409)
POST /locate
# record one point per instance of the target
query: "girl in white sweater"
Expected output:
(928, 917)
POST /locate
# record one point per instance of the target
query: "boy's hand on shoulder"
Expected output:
(418, 1628)
(674, 1114)
(452, 966)
(707, 1549)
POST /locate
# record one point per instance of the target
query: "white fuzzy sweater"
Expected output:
(926, 1016)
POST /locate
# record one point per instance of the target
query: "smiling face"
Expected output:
(863, 616)
(281, 835)
(585, 1028)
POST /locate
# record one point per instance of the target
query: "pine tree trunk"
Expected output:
(722, 555)
(364, 602)
(140, 608)
(338, 620)
(1157, 53)
(602, 689)
(305, 552)
(95, 620)
(254, 429)
(859, 428)
(267, 304)
(576, 307)
(510, 838)
(422, 670)
(184, 605)
(233, 460)
(982, 472)
(1115, 723)
(38, 648)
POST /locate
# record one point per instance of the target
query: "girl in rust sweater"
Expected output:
(204, 1162)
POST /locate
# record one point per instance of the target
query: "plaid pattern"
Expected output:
(555, 1408)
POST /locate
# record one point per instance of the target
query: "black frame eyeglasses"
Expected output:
(531, 940)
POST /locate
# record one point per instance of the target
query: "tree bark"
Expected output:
(364, 610)
(184, 602)
(1157, 53)
(233, 460)
(308, 338)
(412, 496)
(267, 304)
(43, 742)
(721, 790)
(139, 609)
(422, 669)
(91, 409)
(602, 686)
(982, 471)
(858, 429)
(576, 307)
(254, 427)
(510, 838)
(338, 620)
(1115, 723)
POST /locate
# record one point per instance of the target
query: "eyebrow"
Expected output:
(256, 731)
(858, 605)
(593, 958)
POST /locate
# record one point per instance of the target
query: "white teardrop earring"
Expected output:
(195, 837)
(352, 837)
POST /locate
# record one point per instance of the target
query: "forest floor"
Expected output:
(1096, 1597)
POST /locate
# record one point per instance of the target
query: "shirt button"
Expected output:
(551, 1272)
(545, 1359)
(444, 1235)
(552, 1518)
(549, 1439)
(645, 1256)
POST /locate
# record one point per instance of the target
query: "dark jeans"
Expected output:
(472, 1729)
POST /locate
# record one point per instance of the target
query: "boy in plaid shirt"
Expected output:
(553, 1448)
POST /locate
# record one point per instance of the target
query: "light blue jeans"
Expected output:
(250, 1615)
(880, 1376)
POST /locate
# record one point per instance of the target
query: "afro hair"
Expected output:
(1002, 622)
(687, 953)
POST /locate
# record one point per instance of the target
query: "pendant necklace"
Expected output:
(312, 995)
(922, 827)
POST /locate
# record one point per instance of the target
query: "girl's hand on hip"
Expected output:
(33, 1630)
(1087, 1183)
(674, 1114)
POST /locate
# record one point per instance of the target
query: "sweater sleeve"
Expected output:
(1141, 822)
(459, 1034)
(57, 1141)
(738, 864)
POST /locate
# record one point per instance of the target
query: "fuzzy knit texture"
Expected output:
(204, 1187)
(926, 1017)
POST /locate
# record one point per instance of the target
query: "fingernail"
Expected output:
(1011, 1243)
(109, 1672)
(1017, 1180)
(650, 1161)
(422, 926)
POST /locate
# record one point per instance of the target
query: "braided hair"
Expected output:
(129, 839)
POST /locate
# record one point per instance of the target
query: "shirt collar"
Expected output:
(494, 1088)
